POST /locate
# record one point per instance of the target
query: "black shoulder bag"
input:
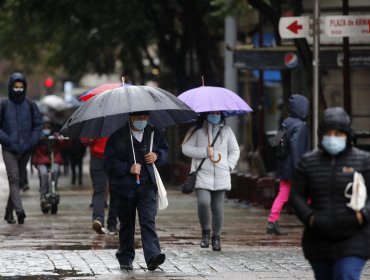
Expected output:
(189, 185)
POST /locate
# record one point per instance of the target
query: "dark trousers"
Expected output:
(145, 202)
(15, 167)
(112, 212)
(100, 182)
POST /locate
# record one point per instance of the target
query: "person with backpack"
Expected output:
(20, 131)
(292, 141)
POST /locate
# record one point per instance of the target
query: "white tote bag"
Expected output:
(162, 194)
(358, 196)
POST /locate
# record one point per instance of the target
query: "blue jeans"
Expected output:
(347, 268)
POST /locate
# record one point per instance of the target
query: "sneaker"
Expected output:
(98, 227)
(155, 261)
(274, 228)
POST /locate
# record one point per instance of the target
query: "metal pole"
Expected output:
(230, 72)
(316, 69)
(261, 93)
(347, 104)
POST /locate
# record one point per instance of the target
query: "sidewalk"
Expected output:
(63, 246)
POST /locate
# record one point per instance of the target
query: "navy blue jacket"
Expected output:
(298, 134)
(20, 128)
(118, 159)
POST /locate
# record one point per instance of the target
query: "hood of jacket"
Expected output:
(335, 118)
(298, 106)
(13, 96)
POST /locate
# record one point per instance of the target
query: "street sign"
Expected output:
(294, 27)
(347, 26)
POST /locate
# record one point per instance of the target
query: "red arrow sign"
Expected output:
(294, 27)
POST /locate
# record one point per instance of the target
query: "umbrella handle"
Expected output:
(137, 179)
(217, 160)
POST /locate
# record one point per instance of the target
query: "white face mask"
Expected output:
(18, 90)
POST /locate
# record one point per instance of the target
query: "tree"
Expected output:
(91, 36)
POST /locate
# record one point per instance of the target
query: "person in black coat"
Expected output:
(128, 164)
(336, 238)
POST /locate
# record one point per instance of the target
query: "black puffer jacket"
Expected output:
(321, 179)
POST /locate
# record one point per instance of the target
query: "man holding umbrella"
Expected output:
(129, 166)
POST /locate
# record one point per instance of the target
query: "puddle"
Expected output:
(62, 274)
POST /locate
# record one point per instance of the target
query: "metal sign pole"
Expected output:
(316, 64)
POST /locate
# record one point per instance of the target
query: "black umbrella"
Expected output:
(105, 113)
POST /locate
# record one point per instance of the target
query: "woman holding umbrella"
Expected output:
(213, 179)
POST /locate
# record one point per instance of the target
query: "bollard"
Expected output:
(268, 188)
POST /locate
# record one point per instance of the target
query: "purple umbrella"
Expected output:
(207, 99)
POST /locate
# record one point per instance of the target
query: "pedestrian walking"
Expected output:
(336, 237)
(293, 142)
(213, 179)
(128, 164)
(100, 182)
(20, 130)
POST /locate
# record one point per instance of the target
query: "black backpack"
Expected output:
(281, 142)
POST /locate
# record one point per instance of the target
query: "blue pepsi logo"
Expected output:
(290, 60)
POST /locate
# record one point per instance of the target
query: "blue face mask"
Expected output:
(140, 125)
(333, 144)
(46, 132)
(214, 118)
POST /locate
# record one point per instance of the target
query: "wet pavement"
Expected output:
(63, 246)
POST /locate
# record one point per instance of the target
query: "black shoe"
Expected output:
(25, 188)
(21, 216)
(126, 266)
(9, 217)
(216, 243)
(204, 242)
(112, 229)
(274, 228)
(155, 261)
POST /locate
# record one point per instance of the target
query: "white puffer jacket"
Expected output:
(213, 176)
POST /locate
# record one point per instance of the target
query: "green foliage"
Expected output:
(92, 35)
(230, 7)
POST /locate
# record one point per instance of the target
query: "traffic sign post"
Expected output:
(294, 27)
(347, 26)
